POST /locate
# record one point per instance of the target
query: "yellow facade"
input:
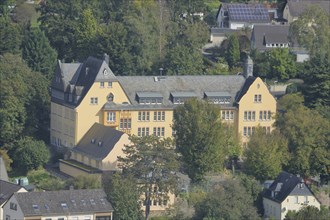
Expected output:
(112, 103)
(69, 125)
(256, 108)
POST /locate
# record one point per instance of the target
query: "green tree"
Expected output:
(153, 162)
(233, 52)
(220, 67)
(59, 20)
(84, 182)
(266, 154)
(10, 36)
(25, 101)
(124, 196)
(317, 81)
(219, 204)
(182, 60)
(38, 53)
(87, 32)
(30, 154)
(282, 63)
(253, 188)
(312, 31)
(199, 138)
(308, 136)
(308, 212)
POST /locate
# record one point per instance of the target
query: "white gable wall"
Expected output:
(14, 214)
(291, 203)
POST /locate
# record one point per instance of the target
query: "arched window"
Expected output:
(110, 97)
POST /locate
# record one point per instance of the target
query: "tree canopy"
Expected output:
(308, 135)
(38, 54)
(124, 196)
(30, 154)
(218, 203)
(308, 212)
(266, 154)
(153, 162)
(312, 31)
(200, 138)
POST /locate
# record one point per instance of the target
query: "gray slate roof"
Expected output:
(197, 84)
(7, 189)
(287, 184)
(296, 7)
(100, 133)
(77, 78)
(269, 34)
(77, 202)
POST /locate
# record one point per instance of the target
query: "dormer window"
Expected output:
(148, 98)
(105, 72)
(218, 97)
(181, 97)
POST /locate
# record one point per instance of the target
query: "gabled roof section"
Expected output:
(248, 82)
(296, 8)
(284, 185)
(270, 34)
(77, 78)
(63, 201)
(98, 142)
(7, 189)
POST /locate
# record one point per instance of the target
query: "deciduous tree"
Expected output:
(124, 196)
(308, 136)
(308, 212)
(228, 200)
(233, 52)
(312, 31)
(199, 138)
(266, 154)
(30, 154)
(153, 162)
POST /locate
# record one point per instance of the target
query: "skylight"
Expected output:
(64, 205)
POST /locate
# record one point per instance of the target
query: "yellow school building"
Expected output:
(87, 93)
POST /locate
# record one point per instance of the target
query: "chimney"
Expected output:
(106, 58)
(248, 67)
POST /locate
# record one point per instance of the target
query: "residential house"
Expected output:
(7, 189)
(267, 37)
(287, 193)
(294, 8)
(96, 152)
(87, 93)
(82, 204)
(238, 16)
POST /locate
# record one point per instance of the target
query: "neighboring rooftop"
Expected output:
(270, 34)
(254, 13)
(297, 7)
(65, 201)
(7, 189)
(99, 141)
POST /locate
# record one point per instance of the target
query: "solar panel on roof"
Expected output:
(248, 12)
